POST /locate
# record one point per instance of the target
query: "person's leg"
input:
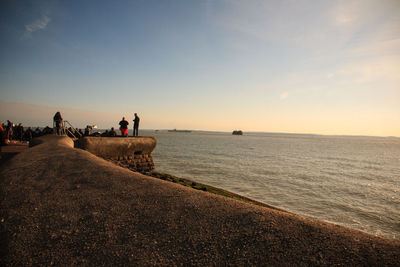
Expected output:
(60, 128)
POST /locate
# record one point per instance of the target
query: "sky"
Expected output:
(322, 67)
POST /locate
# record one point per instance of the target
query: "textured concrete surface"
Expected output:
(134, 152)
(114, 147)
(10, 150)
(65, 206)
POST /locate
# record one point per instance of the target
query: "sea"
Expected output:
(347, 180)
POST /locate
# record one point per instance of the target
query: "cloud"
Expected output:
(319, 27)
(330, 75)
(39, 24)
(384, 70)
(284, 95)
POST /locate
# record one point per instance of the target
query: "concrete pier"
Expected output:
(134, 152)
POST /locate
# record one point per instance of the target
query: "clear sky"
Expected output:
(327, 67)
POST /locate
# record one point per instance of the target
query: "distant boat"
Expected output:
(237, 132)
(179, 131)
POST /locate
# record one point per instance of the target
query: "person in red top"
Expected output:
(124, 126)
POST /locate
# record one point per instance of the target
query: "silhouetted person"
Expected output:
(37, 132)
(136, 125)
(47, 130)
(9, 130)
(28, 134)
(19, 132)
(112, 132)
(70, 132)
(124, 127)
(14, 131)
(58, 122)
(76, 132)
(87, 130)
(105, 134)
(2, 134)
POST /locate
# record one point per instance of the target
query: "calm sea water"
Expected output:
(351, 181)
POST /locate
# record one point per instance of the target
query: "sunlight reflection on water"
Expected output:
(346, 180)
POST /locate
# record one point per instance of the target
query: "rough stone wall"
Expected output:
(130, 152)
(140, 163)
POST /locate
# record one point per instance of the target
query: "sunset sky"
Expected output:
(324, 67)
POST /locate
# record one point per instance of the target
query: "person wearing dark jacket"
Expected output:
(2, 134)
(87, 130)
(112, 132)
(28, 134)
(19, 132)
(136, 125)
(124, 127)
(58, 121)
(9, 130)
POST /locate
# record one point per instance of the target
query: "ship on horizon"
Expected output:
(237, 132)
(179, 131)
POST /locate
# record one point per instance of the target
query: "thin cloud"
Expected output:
(331, 27)
(284, 95)
(37, 25)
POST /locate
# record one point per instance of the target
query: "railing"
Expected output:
(74, 133)
(64, 130)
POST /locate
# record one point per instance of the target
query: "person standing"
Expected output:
(9, 129)
(87, 130)
(136, 125)
(124, 127)
(2, 134)
(20, 132)
(28, 134)
(58, 121)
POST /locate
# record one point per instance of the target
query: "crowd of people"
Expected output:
(89, 129)
(77, 133)
(10, 132)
